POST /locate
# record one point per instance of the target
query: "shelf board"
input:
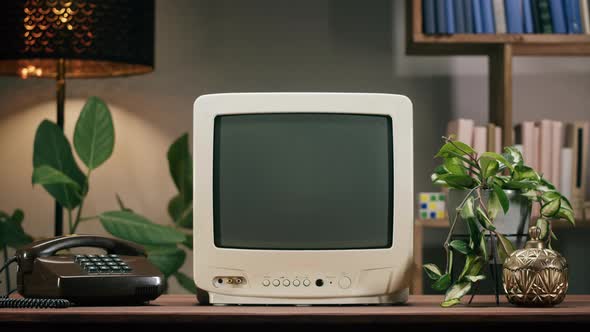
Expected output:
(484, 44)
(444, 223)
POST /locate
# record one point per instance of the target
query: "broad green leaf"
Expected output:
(502, 198)
(483, 219)
(133, 227)
(521, 184)
(181, 212)
(12, 233)
(451, 149)
(473, 265)
(52, 149)
(551, 208)
(167, 259)
(94, 136)
(567, 215)
(489, 167)
(525, 173)
(442, 283)
(455, 166)
(497, 157)
(460, 246)
(483, 246)
(48, 175)
(553, 236)
(505, 247)
(450, 303)
(188, 242)
(550, 196)
(458, 291)
(513, 155)
(494, 205)
(186, 282)
(17, 216)
(467, 209)
(475, 278)
(180, 164)
(432, 271)
(543, 225)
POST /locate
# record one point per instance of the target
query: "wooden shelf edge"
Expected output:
(444, 223)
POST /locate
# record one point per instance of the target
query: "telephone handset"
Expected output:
(121, 276)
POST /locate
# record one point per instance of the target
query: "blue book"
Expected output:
(441, 22)
(528, 16)
(468, 14)
(459, 17)
(557, 16)
(487, 15)
(450, 16)
(428, 17)
(477, 19)
(514, 16)
(573, 20)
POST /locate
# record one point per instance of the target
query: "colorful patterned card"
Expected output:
(431, 206)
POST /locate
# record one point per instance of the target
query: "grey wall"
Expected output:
(270, 45)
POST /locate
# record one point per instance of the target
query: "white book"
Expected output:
(499, 16)
(462, 129)
(585, 15)
(567, 158)
(545, 149)
(480, 139)
(556, 146)
(498, 143)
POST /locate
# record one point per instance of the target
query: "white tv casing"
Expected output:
(367, 276)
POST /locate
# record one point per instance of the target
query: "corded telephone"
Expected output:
(121, 276)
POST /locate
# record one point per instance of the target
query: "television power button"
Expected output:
(344, 282)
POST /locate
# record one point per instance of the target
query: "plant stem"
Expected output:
(5, 254)
(79, 214)
(70, 220)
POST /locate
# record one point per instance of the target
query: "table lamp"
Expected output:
(62, 39)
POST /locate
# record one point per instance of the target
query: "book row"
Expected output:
(557, 150)
(506, 16)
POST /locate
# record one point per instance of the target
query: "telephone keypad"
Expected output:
(102, 263)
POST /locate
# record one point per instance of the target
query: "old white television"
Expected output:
(303, 198)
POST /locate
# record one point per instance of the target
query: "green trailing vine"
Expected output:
(464, 168)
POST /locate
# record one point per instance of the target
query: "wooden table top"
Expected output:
(420, 309)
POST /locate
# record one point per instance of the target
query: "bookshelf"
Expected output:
(500, 49)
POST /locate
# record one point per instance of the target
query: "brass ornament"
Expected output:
(535, 275)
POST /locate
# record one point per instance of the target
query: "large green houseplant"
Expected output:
(488, 175)
(94, 139)
(12, 235)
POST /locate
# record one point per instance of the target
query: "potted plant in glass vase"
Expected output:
(490, 197)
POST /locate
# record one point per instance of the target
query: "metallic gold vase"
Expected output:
(535, 276)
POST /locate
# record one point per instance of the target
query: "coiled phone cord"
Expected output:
(7, 302)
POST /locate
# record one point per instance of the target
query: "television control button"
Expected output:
(344, 282)
(286, 282)
(265, 282)
(296, 282)
(306, 282)
(276, 282)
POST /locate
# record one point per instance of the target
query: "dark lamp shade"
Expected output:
(96, 38)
